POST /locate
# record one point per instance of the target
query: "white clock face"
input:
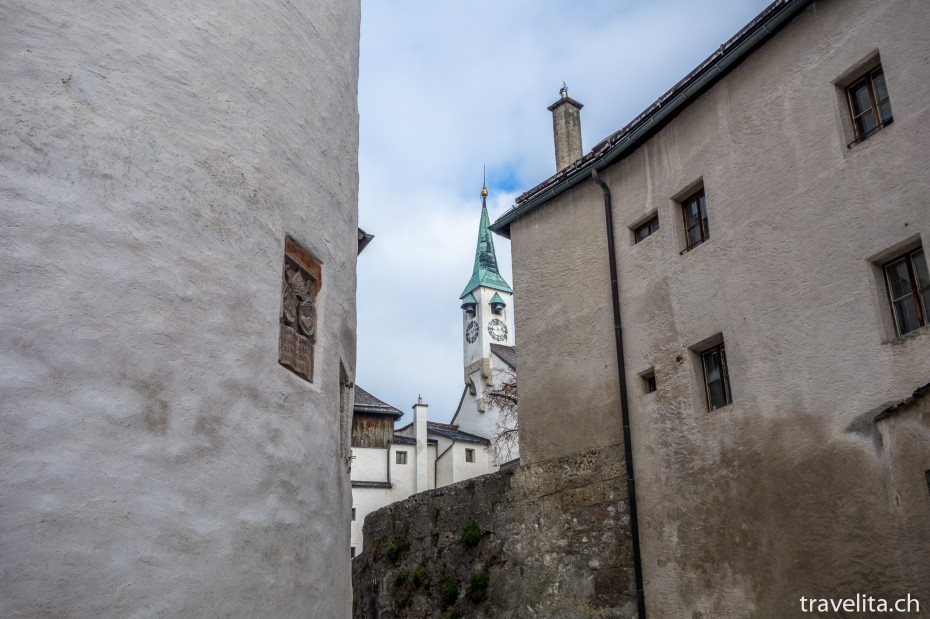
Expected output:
(498, 330)
(471, 332)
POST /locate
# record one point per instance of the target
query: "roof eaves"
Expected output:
(902, 404)
(654, 117)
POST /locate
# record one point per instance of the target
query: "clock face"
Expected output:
(498, 330)
(471, 332)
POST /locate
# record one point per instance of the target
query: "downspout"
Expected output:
(389, 461)
(624, 403)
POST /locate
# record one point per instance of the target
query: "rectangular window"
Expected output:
(401, 457)
(908, 285)
(651, 385)
(642, 232)
(694, 212)
(716, 377)
(352, 552)
(469, 455)
(353, 514)
(869, 104)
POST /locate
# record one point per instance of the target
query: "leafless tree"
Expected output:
(502, 397)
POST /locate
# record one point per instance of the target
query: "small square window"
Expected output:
(694, 214)
(353, 514)
(469, 455)
(716, 377)
(649, 382)
(645, 230)
(400, 457)
(869, 104)
(908, 285)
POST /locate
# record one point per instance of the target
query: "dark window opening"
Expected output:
(400, 457)
(716, 377)
(694, 212)
(352, 553)
(645, 230)
(908, 284)
(469, 455)
(649, 382)
(869, 104)
(353, 514)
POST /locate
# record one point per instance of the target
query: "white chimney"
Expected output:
(419, 425)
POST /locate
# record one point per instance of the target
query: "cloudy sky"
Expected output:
(448, 87)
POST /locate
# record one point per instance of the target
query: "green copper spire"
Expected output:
(485, 272)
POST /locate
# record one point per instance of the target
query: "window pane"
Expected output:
(691, 211)
(905, 312)
(898, 279)
(920, 268)
(859, 97)
(694, 236)
(716, 394)
(881, 94)
(654, 225)
(703, 201)
(865, 124)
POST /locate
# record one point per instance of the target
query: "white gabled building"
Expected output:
(389, 465)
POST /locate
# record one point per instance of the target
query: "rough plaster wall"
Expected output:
(157, 461)
(785, 492)
(554, 543)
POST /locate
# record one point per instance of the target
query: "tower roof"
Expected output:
(485, 272)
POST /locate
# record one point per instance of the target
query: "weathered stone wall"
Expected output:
(156, 459)
(551, 539)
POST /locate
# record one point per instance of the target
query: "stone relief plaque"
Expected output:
(299, 287)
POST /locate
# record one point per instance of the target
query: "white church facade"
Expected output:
(392, 464)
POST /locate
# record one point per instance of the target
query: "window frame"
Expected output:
(400, 456)
(702, 223)
(916, 291)
(724, 377)
(469, 455)
(648, 226)
(875, 106)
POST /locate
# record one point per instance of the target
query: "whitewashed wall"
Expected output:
(157, 461)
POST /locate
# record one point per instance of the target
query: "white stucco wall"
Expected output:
(157, 461)
(371, 464)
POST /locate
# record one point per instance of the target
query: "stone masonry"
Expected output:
(550, 539)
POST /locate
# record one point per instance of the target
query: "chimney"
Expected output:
(419, 425)
(566, 126)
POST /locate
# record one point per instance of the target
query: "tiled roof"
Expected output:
(367, 403)
(508, 354)
(452, 432)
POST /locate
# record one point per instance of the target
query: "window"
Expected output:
(649, 382)
(716, 377)
(353, 514)
(869, 104)
(401, 457)
(469, 455)
(646, 229)
(908, 284)
(352, 552)
(694, 211)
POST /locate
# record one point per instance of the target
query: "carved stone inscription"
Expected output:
(300, 285)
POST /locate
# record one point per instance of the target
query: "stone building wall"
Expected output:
(549, 539)
(157, 460)
(781, 493)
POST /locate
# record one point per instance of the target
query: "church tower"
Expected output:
(486, 304)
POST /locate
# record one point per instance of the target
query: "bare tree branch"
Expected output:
(503, 398)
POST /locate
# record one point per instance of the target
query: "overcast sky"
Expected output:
(447, 87)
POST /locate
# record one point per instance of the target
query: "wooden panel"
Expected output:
(372, 430)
